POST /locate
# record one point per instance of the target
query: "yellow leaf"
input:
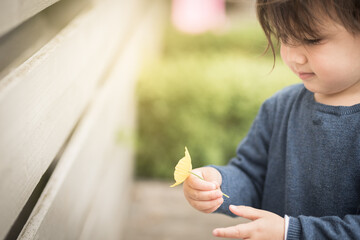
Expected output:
(182, 169)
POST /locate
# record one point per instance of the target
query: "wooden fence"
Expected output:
(67, 75)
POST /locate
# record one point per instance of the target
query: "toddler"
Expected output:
(297, 172)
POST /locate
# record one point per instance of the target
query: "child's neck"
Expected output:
(338, 99)
(347, 97)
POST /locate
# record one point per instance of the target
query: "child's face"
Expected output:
(329, 67)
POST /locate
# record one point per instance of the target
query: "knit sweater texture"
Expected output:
(300, 158)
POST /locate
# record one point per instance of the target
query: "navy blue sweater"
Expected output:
(300, 158)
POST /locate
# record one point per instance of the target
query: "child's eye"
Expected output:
(312, 41)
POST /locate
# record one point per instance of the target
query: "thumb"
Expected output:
(210, 174)
(197, 181)
(247, 212)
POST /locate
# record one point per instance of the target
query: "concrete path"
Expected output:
(158, 212)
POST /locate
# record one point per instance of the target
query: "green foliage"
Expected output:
(245, 39)
(204, 94)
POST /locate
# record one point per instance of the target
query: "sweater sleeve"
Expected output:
(243, 178)
(330, 227)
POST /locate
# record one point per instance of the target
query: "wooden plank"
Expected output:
(93, 159)
(109, 209)
(85, 160)
(14, 12)
(42, 99)
(20, 44)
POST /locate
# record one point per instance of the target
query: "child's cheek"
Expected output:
(284, 55)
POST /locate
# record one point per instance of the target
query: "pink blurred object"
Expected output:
(197, 16)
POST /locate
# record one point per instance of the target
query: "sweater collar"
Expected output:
(335, 110)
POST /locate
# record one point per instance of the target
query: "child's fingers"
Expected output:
(199, 184)
(205, 206)
(203, 195)
(247, 212)
(238, 231)
(210, 210)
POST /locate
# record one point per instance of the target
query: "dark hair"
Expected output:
(299, 20)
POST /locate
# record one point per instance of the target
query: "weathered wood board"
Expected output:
(43, 98)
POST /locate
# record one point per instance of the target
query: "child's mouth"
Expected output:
(306, 75)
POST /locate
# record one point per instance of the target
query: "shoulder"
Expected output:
(274, 112)
(278, 106)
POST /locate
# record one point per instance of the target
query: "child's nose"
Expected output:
(293, 54)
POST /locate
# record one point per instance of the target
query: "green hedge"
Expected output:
(203, 93)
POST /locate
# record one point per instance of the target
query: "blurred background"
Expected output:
(203, 91)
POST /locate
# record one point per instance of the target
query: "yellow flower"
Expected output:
(183, 170)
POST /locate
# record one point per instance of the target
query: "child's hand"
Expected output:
(264, 225)
(204, 196)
